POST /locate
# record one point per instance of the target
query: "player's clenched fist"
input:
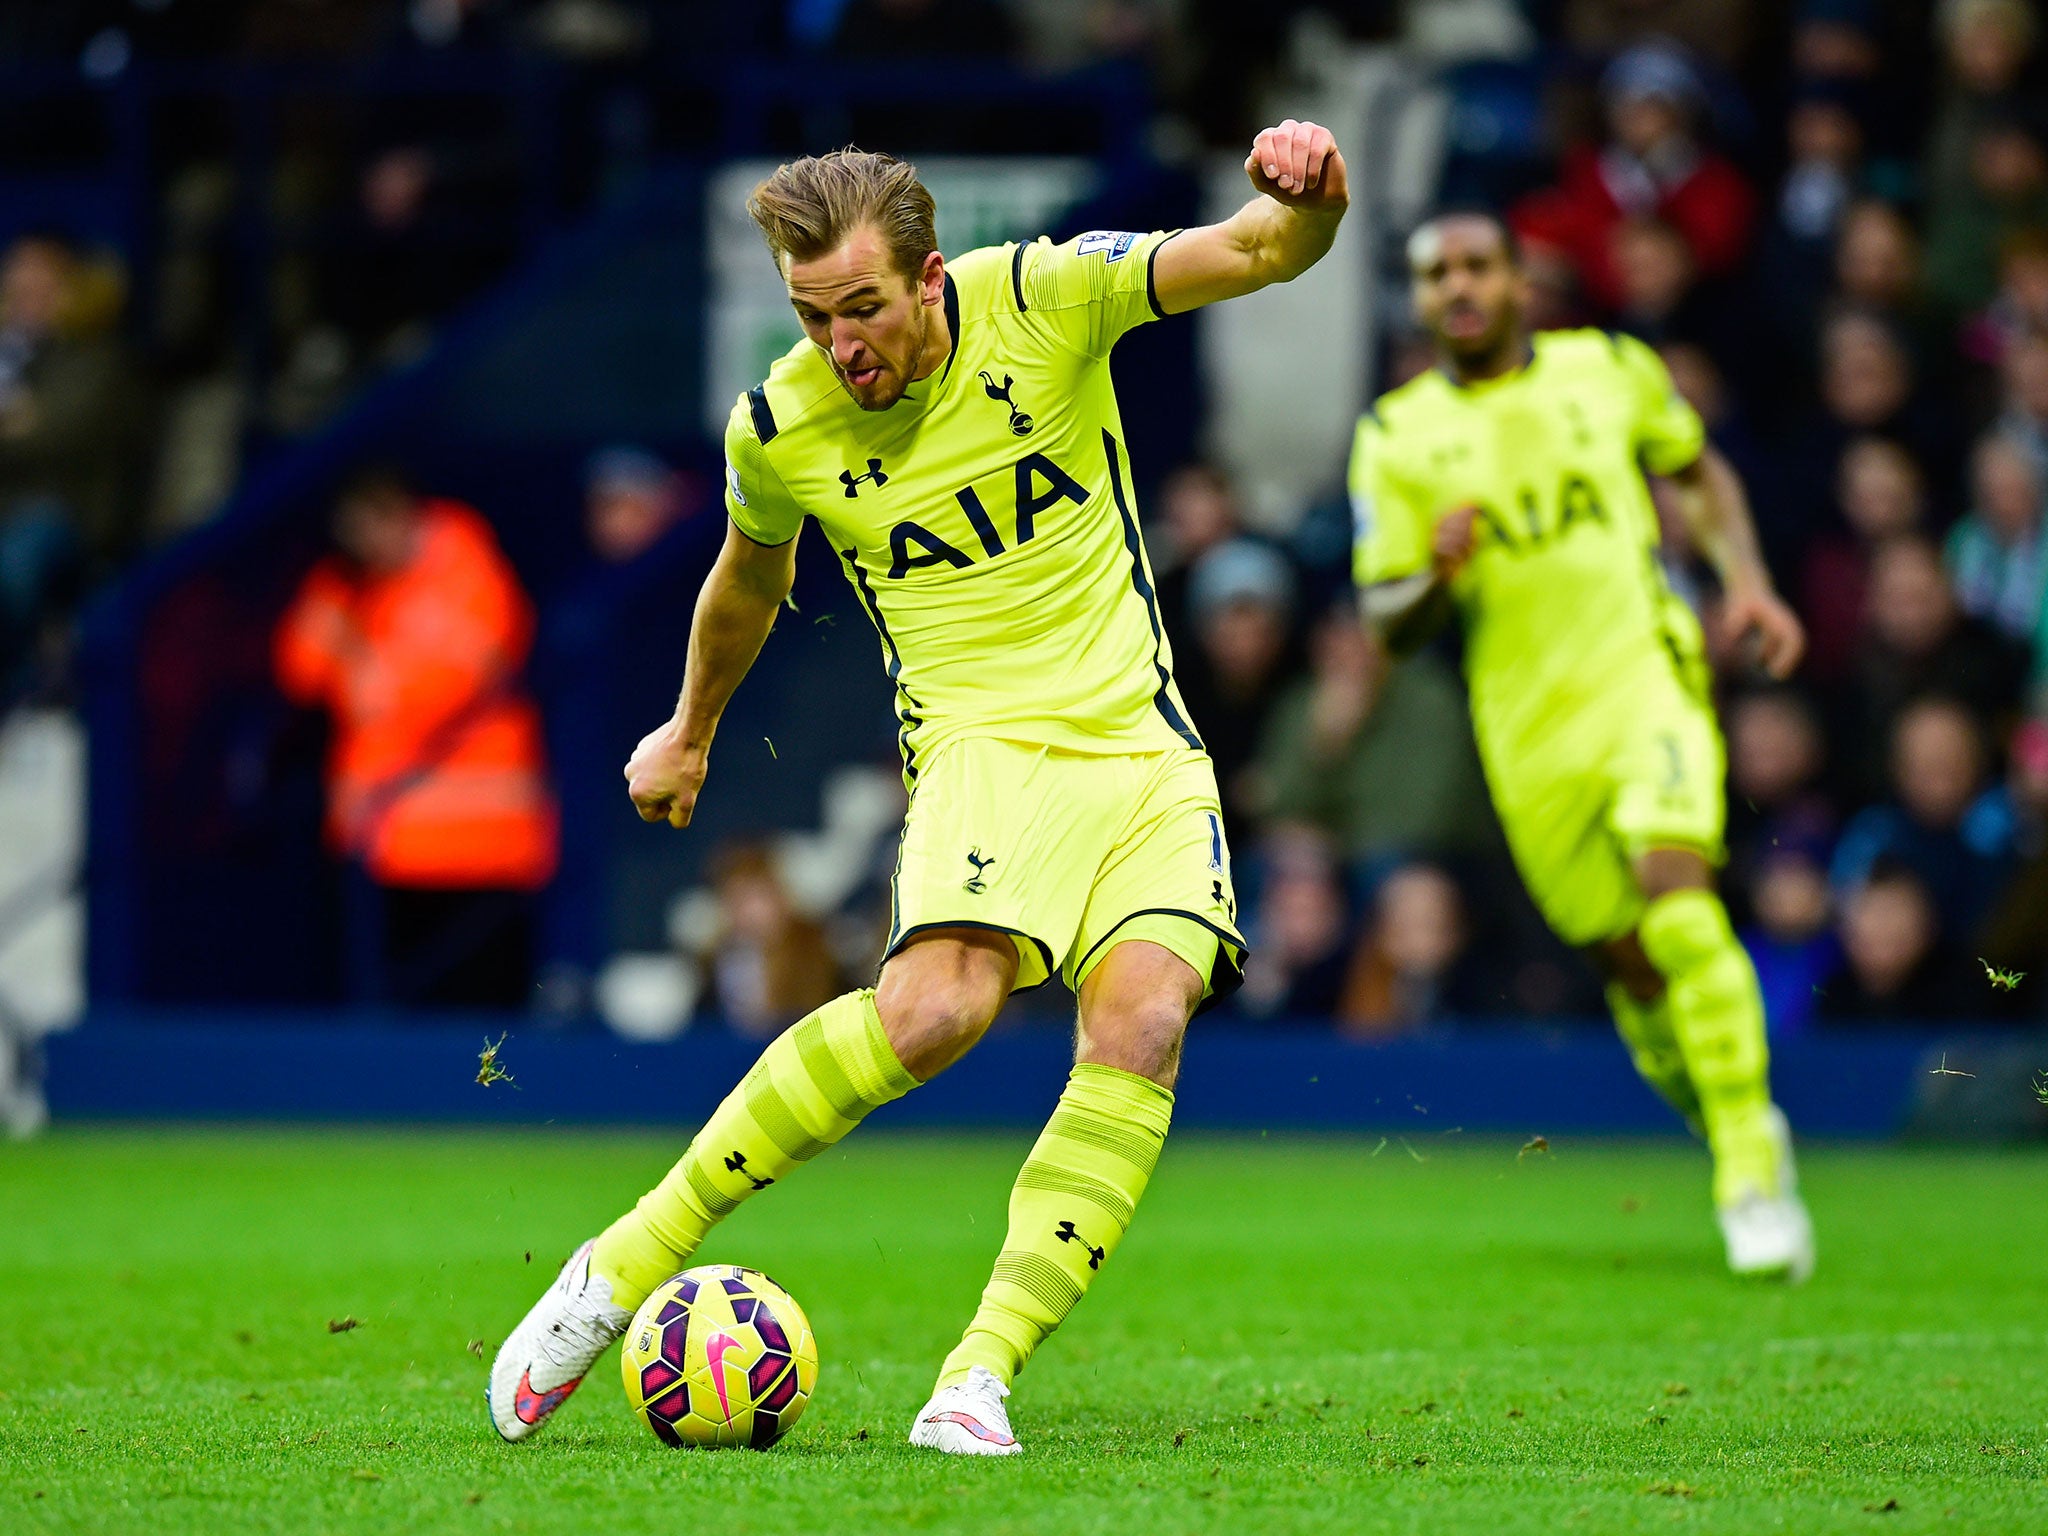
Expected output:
(1451, 545)
(663, 776)
(1298, 164)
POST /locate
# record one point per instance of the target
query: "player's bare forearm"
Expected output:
(1718, 519)
(1407, 613)
(1292, 223)
(735, 611)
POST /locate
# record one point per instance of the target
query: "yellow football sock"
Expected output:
(1717, 1015)
(817, 1081)
(1071, 1206)
(1646, 1029)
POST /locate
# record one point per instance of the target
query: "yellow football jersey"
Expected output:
(1564, 599)
(987, 520)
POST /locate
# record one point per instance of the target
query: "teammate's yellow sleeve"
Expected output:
(1669, 432)
(755, 498)
(1090, 290)
(1390, 522)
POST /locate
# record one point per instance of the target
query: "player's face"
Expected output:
(873, 321)
(1468, 292)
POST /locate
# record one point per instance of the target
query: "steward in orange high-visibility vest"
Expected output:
(413, 639)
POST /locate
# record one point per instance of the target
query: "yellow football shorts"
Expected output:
(1070, 853)
(1604, 785)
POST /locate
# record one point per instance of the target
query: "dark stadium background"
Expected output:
(490, 241)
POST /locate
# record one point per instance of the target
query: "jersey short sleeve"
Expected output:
(755, 498)
(1092, 289)
(1668, 432)
(1390, 521)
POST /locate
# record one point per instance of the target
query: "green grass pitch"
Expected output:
(1299, 1335)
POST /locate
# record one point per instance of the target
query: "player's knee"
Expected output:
(1135, 1010)
(938, 997)
(1143, 1038)
(1662, 871)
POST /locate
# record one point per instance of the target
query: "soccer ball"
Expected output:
(720, 1356)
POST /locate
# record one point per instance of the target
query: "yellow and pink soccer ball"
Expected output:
(720, 1356)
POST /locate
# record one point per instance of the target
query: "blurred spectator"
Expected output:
(1988, 47)
(2005, 194)
(1788, 937)
(769, 964)
(2024, 382)
(2015, 934)
(1197, 510)
(2020, 307)
(1241, 611)
(1880, 494)
(1776, 757)
(1996, 554)
(71, 421)
(631, 498)
(1942, 825)
(1298, 959)
(1404, 973)
(1380, 758)
(1653, 165)
(1653, 270)
(1877, 270)
(1916, 641)
(1824, 143)
(1836, 40)
(1877, 259)
(1897, 970)
(412, 638)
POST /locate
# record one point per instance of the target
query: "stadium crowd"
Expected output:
(1841, 253)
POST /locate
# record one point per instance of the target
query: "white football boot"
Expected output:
(1771, 1234)
(968, 1419)
(553, 1348)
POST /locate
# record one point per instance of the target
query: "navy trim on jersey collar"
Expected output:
(1528, 361)
(952, 325)
(1017, 275)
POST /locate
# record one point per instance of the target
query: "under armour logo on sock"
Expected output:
(737, 1163)
(1067, 1234)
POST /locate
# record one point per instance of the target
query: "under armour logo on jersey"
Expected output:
(1067, 1234)
(974, 884)
(737, 1163)
(852, 481)
(1020, 424)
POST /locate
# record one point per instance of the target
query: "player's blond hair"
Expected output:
(810, 206)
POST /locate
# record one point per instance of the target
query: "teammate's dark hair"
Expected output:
(809, 207)
(1480, 211)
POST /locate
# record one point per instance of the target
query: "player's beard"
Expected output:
(1496, 349)
(906, 375)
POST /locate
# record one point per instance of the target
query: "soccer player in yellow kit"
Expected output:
(1506, 486)
(951, 428)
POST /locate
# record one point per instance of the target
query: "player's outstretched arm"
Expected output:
(735, 611)
(1276, 236)
(1717, 516)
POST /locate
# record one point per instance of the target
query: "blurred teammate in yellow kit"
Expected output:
(952, 429)
(1506, 486)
